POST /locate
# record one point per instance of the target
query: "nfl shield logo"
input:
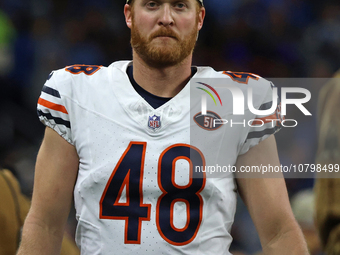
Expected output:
(154, 122)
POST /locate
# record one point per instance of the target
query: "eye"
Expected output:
(152, 5)
(180, 5)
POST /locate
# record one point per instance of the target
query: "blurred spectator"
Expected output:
(327, 187)
(7, 36)
(321, 40)
(14, 207)
(303, 208)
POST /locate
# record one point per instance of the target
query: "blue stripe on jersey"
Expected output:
(259, 134)
(51, 91)
(57, 120)
(266, 106)
(50, 75)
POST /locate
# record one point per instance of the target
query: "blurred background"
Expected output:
(272, 38)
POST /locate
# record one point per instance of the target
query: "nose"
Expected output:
(166, 18)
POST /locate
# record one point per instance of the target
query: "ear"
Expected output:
(128, 15)
(201, 16)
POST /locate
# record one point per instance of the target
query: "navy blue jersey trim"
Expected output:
(51, 91)
(50, 75)
(259, 134)
(153, 100)
(57, 120)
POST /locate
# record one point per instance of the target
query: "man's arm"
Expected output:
(268, 203)
(55, 176)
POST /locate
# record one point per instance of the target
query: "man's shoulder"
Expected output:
(87, 71)
(82, 76)
(239, 79)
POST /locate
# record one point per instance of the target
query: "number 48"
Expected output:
(128, 173)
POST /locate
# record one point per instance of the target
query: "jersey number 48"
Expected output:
(129, 174)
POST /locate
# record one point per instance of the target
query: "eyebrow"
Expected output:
(164, 1)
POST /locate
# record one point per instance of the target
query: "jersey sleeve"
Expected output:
(262, 126)
(52, 110)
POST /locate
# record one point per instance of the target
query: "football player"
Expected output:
(118, 138)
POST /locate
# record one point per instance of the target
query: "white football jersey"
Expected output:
(138, 191)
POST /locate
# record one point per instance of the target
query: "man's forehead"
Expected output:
(200, 1)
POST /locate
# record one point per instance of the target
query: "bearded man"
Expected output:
(120, 139)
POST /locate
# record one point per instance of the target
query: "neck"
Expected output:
(162, 82)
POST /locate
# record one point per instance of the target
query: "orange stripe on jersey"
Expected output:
(52, 106)
(264, 120)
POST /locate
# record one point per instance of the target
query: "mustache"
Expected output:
(164, 32)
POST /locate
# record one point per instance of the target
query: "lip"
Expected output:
(165, 36)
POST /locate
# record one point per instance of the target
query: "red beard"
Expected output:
(170, 53)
